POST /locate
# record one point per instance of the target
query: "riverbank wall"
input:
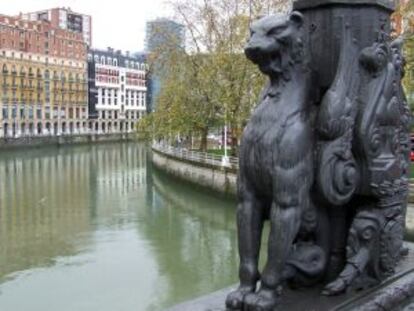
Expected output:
(207, 173)
(23, 142)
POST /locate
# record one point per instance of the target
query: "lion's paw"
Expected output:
(234, 300)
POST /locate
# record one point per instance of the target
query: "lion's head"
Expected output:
(275, 43)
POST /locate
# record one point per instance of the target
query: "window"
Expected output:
(14, 111)
(103, 60)
(47, 112)
(5, 112)
(115, 62)
(47, 86)
(30, 112)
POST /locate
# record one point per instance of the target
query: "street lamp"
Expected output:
(225, 159)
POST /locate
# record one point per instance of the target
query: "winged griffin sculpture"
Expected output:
(327, 169)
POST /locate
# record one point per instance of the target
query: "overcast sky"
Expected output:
(116, 23)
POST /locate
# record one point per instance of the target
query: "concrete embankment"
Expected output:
(12, 143)
(211, 176)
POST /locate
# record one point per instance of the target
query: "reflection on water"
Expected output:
(94, 228)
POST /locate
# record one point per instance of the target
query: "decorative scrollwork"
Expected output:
(338, 175)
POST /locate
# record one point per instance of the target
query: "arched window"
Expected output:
(103, 60)
(115, 62)
(109, 61)
(96, 59)
(90, 57)
(5, 71)
(22, 76)
(126, 63)
(47, 86)
(62, 78)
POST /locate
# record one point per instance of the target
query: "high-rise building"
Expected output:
(161, 32)
(162, 35)
(43, 79)
(117, 90)
(66, 19)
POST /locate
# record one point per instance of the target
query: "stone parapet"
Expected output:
(308, 4)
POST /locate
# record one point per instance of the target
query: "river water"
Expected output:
(95, 228)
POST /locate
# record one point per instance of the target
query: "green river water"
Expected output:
(94, 227)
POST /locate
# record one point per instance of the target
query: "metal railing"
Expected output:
(197, 156)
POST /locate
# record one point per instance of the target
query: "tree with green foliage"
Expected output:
(210, 83)
(404, 16)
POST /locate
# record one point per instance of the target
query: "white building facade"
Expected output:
(117, 91)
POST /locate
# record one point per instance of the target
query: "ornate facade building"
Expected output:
(117, 90)
(43, 79)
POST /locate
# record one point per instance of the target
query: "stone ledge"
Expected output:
(392, 294)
